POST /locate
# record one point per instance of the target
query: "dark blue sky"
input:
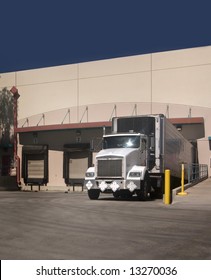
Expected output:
(42, 33)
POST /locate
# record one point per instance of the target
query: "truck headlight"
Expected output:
(135, 174)
(90, 174)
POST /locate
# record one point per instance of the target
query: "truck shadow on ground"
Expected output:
(133, 198)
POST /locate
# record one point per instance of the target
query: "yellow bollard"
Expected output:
(182, 181)
(167, 196)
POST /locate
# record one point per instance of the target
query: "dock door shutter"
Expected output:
(36, 168)
(78, 164)
(77, 158)
(35, 164)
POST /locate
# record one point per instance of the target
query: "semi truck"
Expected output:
(135, 155)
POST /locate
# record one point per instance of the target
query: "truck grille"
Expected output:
(109, 168)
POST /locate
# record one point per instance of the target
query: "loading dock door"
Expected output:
(77, 167)
(35, 164)
(77, 158)
(36, 169)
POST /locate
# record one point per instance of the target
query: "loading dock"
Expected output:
(73, 145)
(35, 165)
(77, 158)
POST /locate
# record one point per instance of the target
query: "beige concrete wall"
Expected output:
(7, 80)
(181, 74)
(167, 77)
(178, 84)
(182, 58)
(56, 168)
(47, 89)
(115, 80)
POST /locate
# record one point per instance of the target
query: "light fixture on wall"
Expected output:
(78, 136)
(179, 127)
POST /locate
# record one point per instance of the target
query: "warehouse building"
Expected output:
(63, 111)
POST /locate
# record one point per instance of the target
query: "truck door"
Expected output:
(151, 149)
(144, 152)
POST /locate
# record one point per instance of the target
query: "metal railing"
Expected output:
(197, 172)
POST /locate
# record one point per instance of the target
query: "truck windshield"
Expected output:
(127, 141)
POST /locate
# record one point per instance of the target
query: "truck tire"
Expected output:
(116, 194)
(158, 187)
(145, 188)
(93, 194)
(158, 193)
(125, 194)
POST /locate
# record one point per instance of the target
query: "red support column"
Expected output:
(16, 95)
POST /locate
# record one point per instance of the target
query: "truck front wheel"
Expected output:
(145, 188)
(93, 194)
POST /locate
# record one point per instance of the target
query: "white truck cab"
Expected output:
(121, 166)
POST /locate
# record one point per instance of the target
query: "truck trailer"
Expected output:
(135, 155)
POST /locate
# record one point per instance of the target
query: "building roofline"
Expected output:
(89, 125)
(194, 120)
(62, 126)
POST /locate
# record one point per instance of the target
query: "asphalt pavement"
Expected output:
(58, 225)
